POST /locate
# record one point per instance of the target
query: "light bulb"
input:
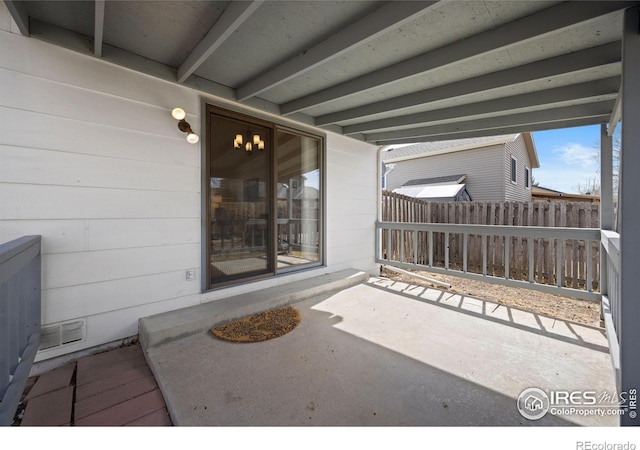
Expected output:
(192, 138)
(261, 145)
(239, 139)
(248, 147)
(256, 139)
(178, 113)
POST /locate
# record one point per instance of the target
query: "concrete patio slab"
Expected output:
(384, 354)
(166, 327)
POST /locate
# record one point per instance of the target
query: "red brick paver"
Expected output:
(110, 388)
(114, 396)
(98, 386)
(155, 419)
(126, 412)
(52, 381)
(96, 370)
(51, 409)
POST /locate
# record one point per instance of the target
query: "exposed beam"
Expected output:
(616, 114)
(388, 16)
(498, 131)
(19, 14)
(556, 66)
(233, 16)
(522, 119)
(546, 21)
(603, 89)
(98, 27)
(77, 42)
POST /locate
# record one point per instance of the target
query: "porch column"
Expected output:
(606, 179)
(629, 210)
(606, 201)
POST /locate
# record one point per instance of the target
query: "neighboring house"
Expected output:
(495, 168)
(542, 194)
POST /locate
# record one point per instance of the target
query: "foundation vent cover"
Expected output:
(62, 333)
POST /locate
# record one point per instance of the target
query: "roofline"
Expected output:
(501, 141)
(548, 189)
(531, 149)
(552, 193)
(564, 195)
(528, 141)
(458, 180)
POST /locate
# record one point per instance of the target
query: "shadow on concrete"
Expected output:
(567, 331)
(369, 357)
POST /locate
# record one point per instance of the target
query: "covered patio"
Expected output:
(110, 214)
(386, 353)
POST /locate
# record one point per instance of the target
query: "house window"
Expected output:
(263, 207)
(527, 178)
(513, 170)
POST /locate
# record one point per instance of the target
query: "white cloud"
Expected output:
(577, 155)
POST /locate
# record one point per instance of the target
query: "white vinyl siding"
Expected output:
(516, 192)
(92, 160)
(483, 168)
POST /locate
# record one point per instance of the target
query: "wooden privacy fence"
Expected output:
(566, 266)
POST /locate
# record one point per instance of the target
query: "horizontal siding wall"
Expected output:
(483, 168)
(352, 179)
(517, 192)
(93, 162)
(91, 159)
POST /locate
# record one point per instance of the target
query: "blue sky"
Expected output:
(567, 157)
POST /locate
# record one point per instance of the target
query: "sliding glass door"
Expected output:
(263, 198)
(298, 174)
(239, 200)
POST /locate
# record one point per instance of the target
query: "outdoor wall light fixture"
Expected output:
(253, 142)
(183, 125)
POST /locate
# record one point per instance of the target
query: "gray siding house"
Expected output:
(495, 168)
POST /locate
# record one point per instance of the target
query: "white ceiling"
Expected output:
(384, 72)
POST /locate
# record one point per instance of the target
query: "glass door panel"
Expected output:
(298, 199)
(240, 205)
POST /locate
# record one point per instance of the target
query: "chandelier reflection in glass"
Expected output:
(249, 142)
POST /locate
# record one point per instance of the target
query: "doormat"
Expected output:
(259, 327)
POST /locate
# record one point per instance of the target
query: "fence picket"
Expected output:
(552, 262)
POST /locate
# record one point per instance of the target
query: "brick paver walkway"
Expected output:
(106, 389)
